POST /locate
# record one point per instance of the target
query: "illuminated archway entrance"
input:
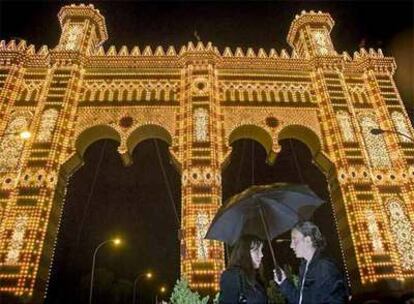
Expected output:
(204, 99)
(105, 199)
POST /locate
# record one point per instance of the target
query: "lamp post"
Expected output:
(377, 131)
(24, 134)
(148, 275)
(116, 242)
(162, 290)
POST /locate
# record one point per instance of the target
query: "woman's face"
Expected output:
(256, 255)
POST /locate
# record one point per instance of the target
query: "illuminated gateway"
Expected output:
(199, 100)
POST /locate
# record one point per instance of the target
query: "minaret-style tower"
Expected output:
(200, 101)
(83, 29)
(309, 34)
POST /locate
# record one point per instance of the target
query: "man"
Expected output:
(319, 279)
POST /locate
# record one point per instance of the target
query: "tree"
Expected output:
(182, 294)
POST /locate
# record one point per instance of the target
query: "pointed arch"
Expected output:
(252, 132)
(146, 132)
(310, 139)
(93, 134)
(87, 95)
(23, 94)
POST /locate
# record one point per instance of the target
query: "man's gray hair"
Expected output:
(308, 228)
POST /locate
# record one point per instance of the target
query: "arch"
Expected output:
(290, 96)
(152, 96)
(146, 132)
(23, 94)
(162, 95)
(87, 95)
(32, 95)
(124, 95)
(237, 95)
(255, 96)
(281, 96)
(228, 96)
(355, 97)
(93, 134)
(298, 96)
(106, 95)
(115, 96)
(307, 96)
(364, 97)
(252, 132)
(272, 96)
(312, 140)
(303, 134)
(245, 96)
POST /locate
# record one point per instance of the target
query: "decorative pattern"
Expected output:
(200, 86)
(17, 239)
(403, 233)
(374, 232)
(201, 176)
(72, 40)
(201, 124)
(401, 125)
(134, 91)
(11, 144)
(375, 144)
(47, 125)
(321, 42)
(30, 90)
(345, 124)
(268, 92)
(358, 95)
(202, 223)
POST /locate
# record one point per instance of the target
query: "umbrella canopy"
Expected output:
(275, 208)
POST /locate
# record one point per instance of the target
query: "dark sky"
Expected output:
(133, 202)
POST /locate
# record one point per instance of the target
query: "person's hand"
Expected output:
(282, 277)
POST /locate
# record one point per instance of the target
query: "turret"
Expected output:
(83, 29)
(309, 34)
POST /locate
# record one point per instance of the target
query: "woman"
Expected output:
(320, 281)
(239, 282)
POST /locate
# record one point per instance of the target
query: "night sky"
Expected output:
(105, 199)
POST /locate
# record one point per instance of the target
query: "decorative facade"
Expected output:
(200, 100)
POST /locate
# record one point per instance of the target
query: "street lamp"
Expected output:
(162, 290)
(148, 275)
(25, 135)
(115, 242)
(377, 131)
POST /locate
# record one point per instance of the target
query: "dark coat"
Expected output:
(323, 283)
(231, 288)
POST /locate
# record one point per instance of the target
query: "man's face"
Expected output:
(256, 255)
(299, 243)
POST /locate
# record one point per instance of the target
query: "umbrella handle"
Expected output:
(277, 268)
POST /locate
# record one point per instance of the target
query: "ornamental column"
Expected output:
(32, 217)
(200, 135)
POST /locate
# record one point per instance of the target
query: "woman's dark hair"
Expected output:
(308, 228)
(240, 255)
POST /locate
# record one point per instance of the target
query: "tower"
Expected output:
(83, 29)
(309, 34)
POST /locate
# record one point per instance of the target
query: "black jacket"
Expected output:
(234, 282)
(324, 284)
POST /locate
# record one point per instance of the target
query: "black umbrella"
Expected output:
(263, 211)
